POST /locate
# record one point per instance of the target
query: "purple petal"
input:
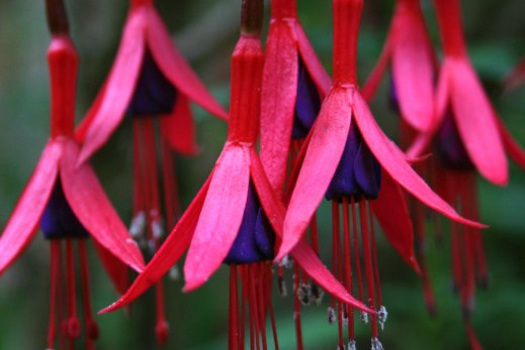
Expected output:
(154, 94)
(450, 150)
(255, 240)
(307, 104)
(58, 220)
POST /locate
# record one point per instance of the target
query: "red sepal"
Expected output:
(475, 119)
(93, 209)
(390, 209)
(412, 66)
(178, 128)
(23, 222)
(119, 87)
(278, 95)
(515, 151)
(326, 145)
(221, 216)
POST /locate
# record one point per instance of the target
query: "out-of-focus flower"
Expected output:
(69, 203)
(348, 159)
(408, 51)
(149, 82)
(237, 215)
(468, 136)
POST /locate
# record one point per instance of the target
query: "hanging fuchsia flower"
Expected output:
(149, 82)
(146, 56)
(348, 159)
(468, 136)
(69, 203)
(294, 83)
(236, 217)
(408, 51)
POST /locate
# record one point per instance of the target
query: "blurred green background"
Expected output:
(206, 32)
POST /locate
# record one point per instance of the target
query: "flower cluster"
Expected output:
(257, 212)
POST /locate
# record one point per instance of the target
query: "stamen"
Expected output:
(138, 225)
(330, 315)
(304, 294)
(73, 325)
(351, 345)
(54, 274)
(286, 262)
(233, 335)
(91, 326)
(363, 315)
(174, 273)
(162, 326)
(171, 193)
(376, 344)
(258, 284)
(268, 299)
(348, 264)
(382, 316)
(368, 263)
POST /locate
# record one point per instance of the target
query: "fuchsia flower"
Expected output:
(147, 45)
(294, 83)
(69, 203)
(408, 51)
(468, 135)
(149, 81)
(348, 159)
(236, 215)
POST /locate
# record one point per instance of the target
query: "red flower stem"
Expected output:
(282, 9)
(233, 335)
(347, 17)
(63, 65)
(54, 274)
(451, 28)
(171, 192)
(356, 252)
(89, 322)
(369, 270)
(374, 258)
(348, 263)
(57, 17)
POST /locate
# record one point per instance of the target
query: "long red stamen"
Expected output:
(90, 325)
(258, 285)
(243, 301)
(369, 270)
(348, 264)
(73, 326)
(268, 299)
(61, 300)
(138, 191)
(171, 192)
(356, 252)
(374, 258)
(233, 334)
(54, 274)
